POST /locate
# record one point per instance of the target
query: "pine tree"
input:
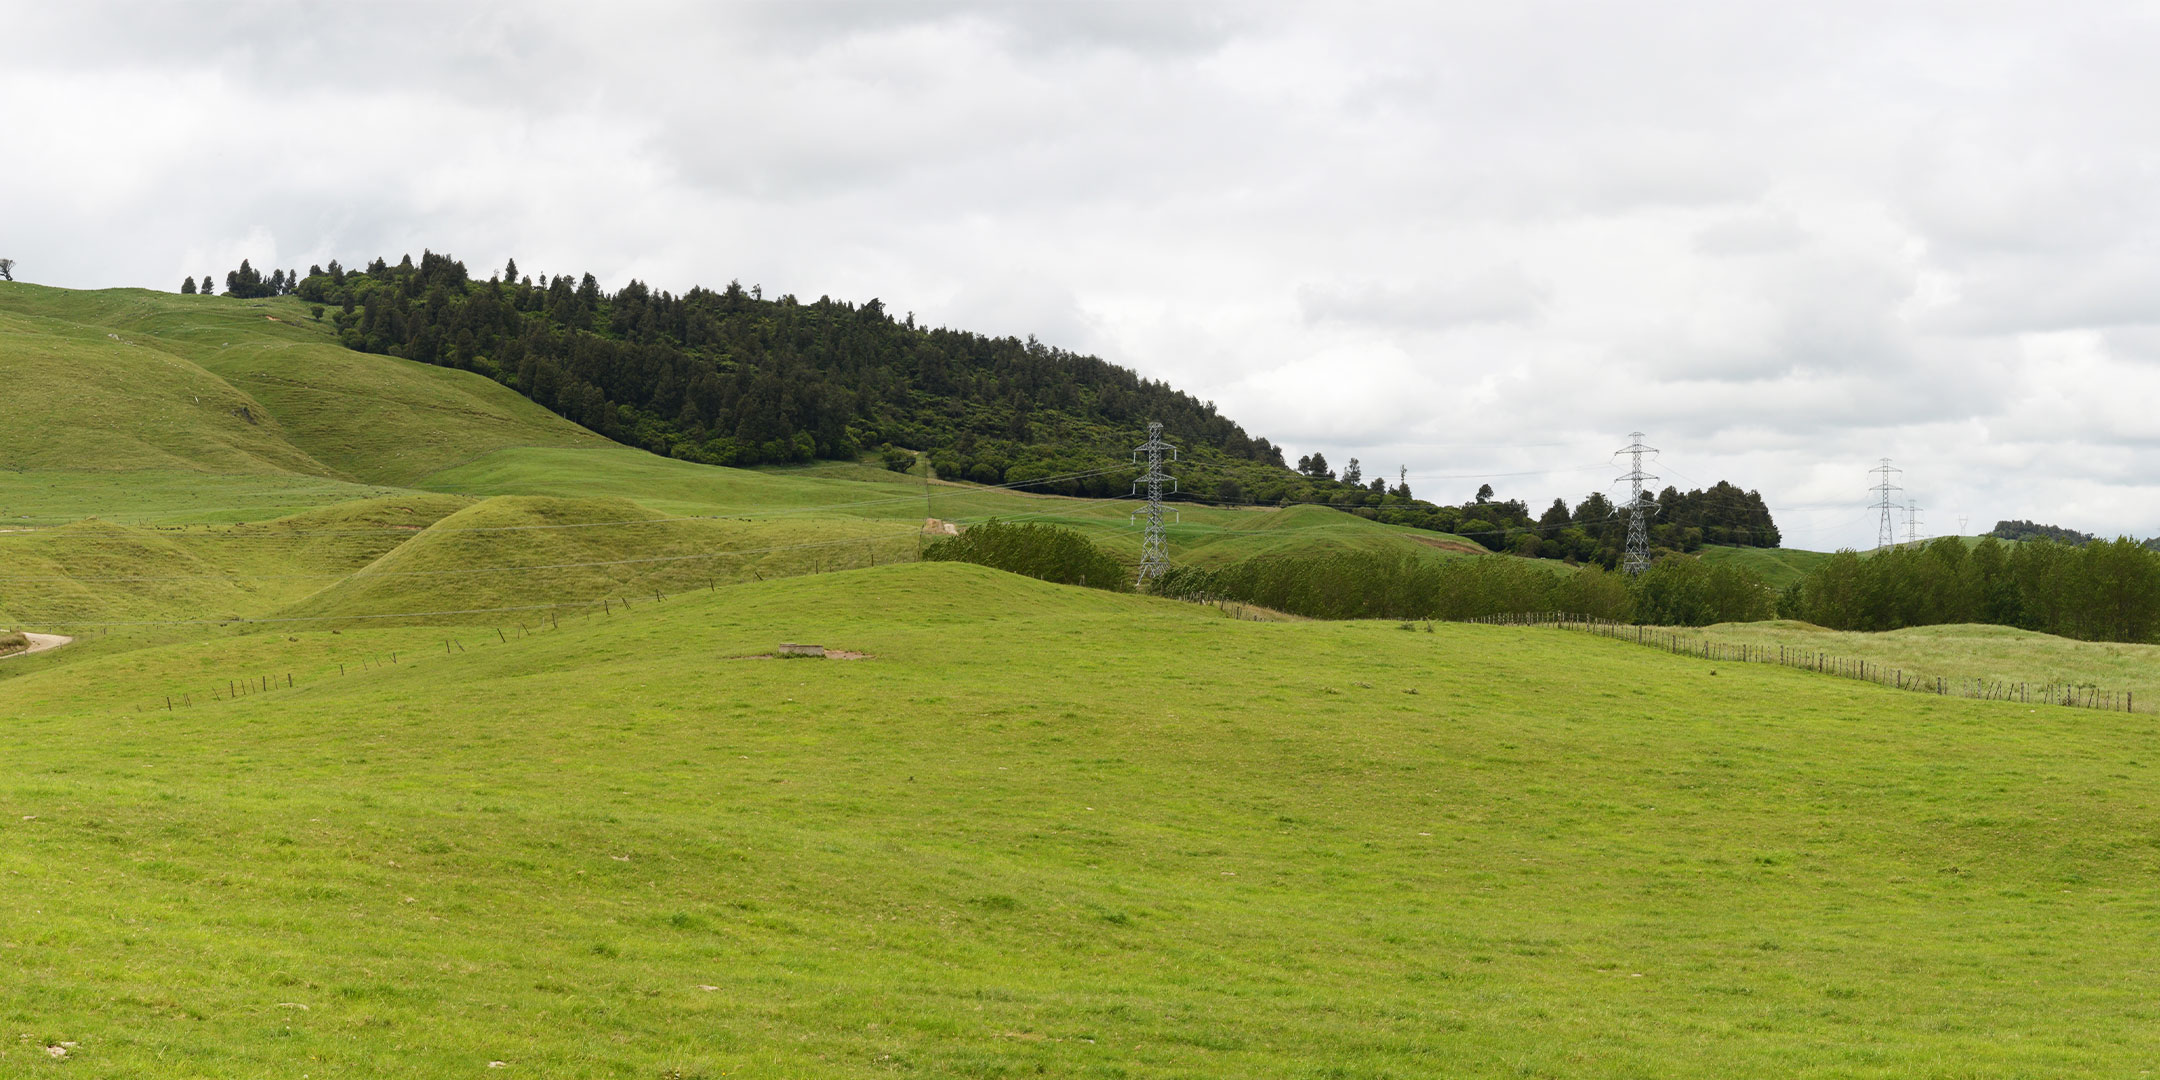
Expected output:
(187, 288)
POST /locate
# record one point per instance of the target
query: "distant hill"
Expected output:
(729, 377)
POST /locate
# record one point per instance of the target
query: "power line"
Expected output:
(1886, 532)
(1154, 545)
(1637, 558)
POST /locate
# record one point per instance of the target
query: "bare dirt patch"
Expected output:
(830, 654)
(37, 643)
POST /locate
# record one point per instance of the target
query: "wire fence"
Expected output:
(1676, 642)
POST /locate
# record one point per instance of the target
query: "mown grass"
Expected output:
(1971, 651)
(1053, 830)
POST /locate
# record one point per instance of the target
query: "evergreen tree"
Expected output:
(187, 288)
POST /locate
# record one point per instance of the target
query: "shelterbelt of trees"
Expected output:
(1675, 591)
(729, 377)
(2102, 591)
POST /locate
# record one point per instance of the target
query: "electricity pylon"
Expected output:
(1637, 558)
(1886, 534)
(1912, 523)
(1155, 545)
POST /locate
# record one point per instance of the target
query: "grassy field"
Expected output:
(1024, 838)
(150, 410)
(1038, 831)
(1777, 567)
(220, 383)
(1965, 651)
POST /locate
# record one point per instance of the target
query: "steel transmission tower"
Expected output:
(1912, 522)
(1886, 535)
(1640, 507)
(1154, 546)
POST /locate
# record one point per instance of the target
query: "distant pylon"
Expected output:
(1637, 558)
(1886, 533)
(1154, 545)
(1912, 522)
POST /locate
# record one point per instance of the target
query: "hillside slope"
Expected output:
(1026, 838)
(512, 552)
(311, 405)
(80, 397)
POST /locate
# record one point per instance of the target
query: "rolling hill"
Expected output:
(174, 452)
(249, 827)
(1023, 836)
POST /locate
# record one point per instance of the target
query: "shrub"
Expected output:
(1685, 591)
(1036, 550)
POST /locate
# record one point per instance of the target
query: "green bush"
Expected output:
(1677, 591)
(1036, 550)
(1685, 591)
(1371, 585)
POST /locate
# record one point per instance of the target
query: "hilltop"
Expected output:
(187, 458)
(727, 377)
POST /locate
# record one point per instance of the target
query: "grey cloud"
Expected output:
(1501, 295)
(1783, 240)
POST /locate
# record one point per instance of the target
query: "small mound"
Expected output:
(530, 551)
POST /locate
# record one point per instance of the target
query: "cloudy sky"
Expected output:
(1475, 240)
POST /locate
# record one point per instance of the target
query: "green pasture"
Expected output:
(1050, 831)
(1777, 567)
(152, 411)
(1970, 651)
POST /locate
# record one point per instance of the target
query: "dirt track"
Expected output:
(40, 643)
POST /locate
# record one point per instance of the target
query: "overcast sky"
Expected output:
(1479, 239)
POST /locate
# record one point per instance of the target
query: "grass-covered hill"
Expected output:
(1025, 838)
(731, 378)
(249, 828)
(180, 459)
(1777, 567)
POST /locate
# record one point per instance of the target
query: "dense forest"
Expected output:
(2102, 591)
(729, 377)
